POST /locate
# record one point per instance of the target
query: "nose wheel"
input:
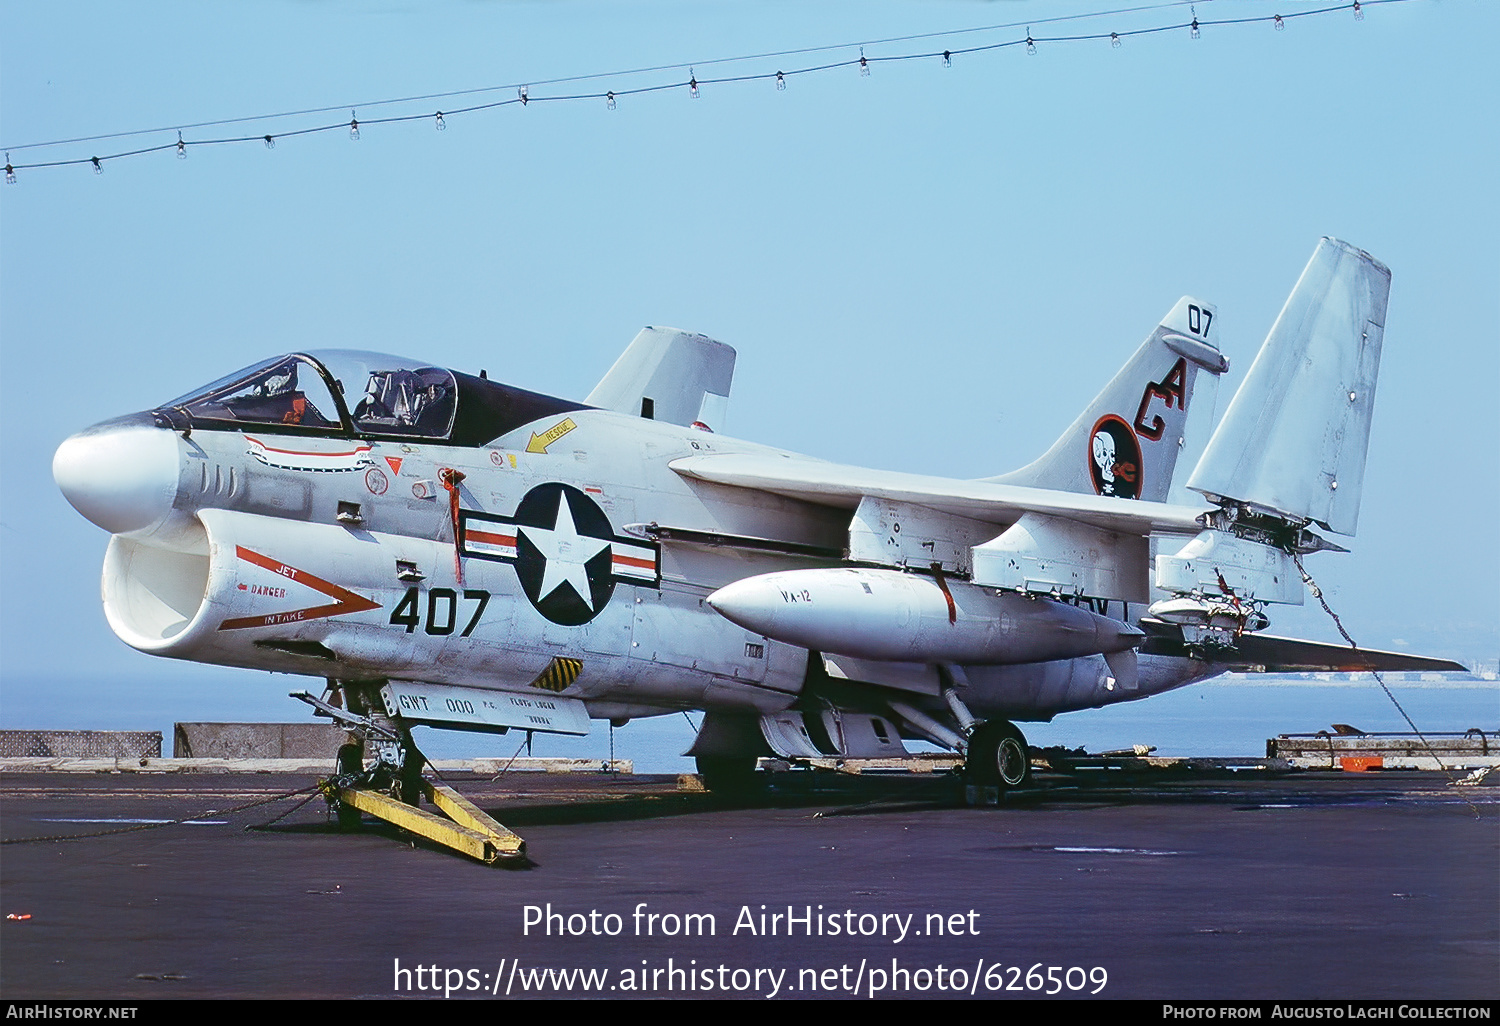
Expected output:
(351, 770)
(998, 756)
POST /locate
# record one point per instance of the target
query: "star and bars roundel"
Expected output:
(567, 556)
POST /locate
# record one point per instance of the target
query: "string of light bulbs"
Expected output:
(693, 85)
(678, 66)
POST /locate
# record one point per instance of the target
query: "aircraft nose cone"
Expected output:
(121, 475)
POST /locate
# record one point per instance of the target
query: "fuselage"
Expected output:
(452, 530)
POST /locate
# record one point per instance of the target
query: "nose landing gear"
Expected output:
(392, 788)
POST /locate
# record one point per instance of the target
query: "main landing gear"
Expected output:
(732, 779)
(998, 756)
(995, 751)
(392, 787)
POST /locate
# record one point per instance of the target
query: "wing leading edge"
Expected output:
(843, 487)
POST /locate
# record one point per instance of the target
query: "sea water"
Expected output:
(1230, 716)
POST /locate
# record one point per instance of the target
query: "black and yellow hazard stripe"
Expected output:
(559, 674)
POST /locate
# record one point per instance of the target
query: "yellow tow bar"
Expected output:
(467, 829)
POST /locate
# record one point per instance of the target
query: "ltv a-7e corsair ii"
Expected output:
(450, 551)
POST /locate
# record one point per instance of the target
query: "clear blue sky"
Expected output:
(926, 269)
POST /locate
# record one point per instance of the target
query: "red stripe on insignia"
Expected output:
(644, 564)
(489, 538)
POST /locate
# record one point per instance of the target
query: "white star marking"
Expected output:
(566, 552)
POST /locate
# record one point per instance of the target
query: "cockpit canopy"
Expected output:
(346, 391)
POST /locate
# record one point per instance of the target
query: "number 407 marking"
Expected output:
(442, 610)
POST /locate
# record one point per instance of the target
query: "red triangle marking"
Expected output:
(344, 600)
(395, 462)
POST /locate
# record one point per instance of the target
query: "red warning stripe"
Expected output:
(489, 537)
(301, 452)
(644, 564)
(345, 601)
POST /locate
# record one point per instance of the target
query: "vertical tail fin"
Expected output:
(1128, 441)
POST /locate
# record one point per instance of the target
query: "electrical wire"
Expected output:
(594, 76)
(693, 84)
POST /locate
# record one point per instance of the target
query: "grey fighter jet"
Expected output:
(452, 551)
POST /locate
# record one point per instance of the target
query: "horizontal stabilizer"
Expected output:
(1294, 438)
(672, 376)
(1288, 655)
(1262, 653)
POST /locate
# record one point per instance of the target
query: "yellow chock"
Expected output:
(467, 830)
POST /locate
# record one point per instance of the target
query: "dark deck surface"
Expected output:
(1368, 886)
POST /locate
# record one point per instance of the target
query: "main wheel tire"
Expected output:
(732, 778)
(351, 759)
(999, 756)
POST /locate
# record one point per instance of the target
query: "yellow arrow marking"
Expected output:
(539, 442)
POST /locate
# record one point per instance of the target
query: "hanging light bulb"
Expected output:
(1030, 43)
(693, 83)
(523, 96)
(438, 122)
(947, 58)
(609, 99)
(353, 127)
(1194, 26)
(270, 142)
(864, 65)
(1279, 24)
(10, 172)
(1359, 12)
(1114, 40)
(181, 148)
(98, 167)
(780, 82)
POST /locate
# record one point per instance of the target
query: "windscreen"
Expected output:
(287, 391)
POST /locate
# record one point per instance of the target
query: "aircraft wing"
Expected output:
(842, 486)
